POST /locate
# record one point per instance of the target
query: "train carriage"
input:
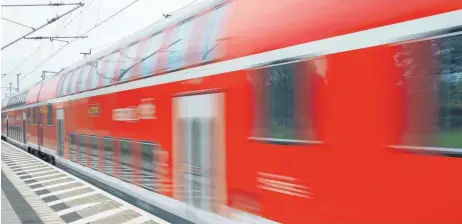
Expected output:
(268, 111)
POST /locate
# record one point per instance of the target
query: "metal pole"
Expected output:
(10, 89)
(17, 81)
(47, 23)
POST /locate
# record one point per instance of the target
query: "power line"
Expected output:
(97, 25)
(170, 14)
(97, 15)
(110, 17)
(75, 17)
(24, 61)
(18, 23)
(190, 3)
(40, 46)
(49, 4)
(47, 23)
(55, 37)
(65, 19)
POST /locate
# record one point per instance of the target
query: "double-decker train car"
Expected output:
(267, 111)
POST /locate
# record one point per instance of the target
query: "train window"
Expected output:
(28, 115)
(34, 115)
(73, 84)
(147, 149)
(147, 64)
(110, 68)
(65, 84)
(128, 59)
(82, 149)
(99, 68)
(94, 151)
(176, 52)
(72, 147)
(125, 157)
(432, 83)
(213, 39)
(84, 78)
(61, 85)
(50, 114)
(93, 76)
(108, 155)
(281, 102)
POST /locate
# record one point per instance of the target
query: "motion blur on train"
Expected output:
(268, 111)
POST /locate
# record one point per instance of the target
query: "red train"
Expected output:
(268, 111)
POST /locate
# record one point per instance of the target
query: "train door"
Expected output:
(24, 126)
(60, 131)
(199, 149)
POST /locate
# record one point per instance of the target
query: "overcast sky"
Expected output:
(132, 19)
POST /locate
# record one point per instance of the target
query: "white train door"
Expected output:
(199, 150)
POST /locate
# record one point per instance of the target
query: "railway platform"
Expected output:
(34, 191)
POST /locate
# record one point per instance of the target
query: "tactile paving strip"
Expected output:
(73, 199)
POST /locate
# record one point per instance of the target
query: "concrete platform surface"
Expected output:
(34, 191)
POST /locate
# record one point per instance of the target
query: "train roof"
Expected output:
(16, 100)
(157, 26)
(46, 89)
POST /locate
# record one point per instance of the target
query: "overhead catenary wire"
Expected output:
(77, 15)
(97, 15)
(49, 4)
(173, 12)
(190, 3)
(24, 61)
(86, 32)
(64, 20)
(40, 27)
(18, 23)
(41, 45)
